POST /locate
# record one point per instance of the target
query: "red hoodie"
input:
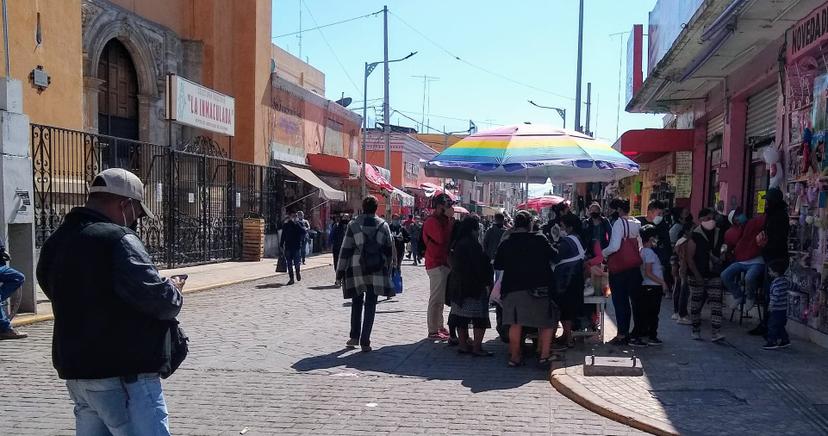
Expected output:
(437, 237)
(747, 248)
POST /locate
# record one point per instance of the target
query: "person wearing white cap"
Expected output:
(114, 314)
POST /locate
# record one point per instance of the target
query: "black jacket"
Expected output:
(526, 262)
(471, 271)
(293, 234)
(112, 308)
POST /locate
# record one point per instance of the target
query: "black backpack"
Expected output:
(178, 348)
(371, 257)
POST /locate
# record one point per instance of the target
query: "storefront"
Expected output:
(760, 136)
(804, 179)
(666, 163)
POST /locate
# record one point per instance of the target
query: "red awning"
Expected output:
(645, 145)
(333, 165)
(375, 179)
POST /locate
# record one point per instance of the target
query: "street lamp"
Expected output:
(369, 68)
(561, 111)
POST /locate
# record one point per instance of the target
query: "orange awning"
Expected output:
(333, 165)
(645, 145)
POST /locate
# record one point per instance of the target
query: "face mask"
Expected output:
(709, 225)
(595, 215)
(658, 220)
(134, 225)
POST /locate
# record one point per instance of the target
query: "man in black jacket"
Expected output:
(113, 311)
(293, 245)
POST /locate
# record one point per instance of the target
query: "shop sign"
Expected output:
(808, 33)
(684, 162)
(684, 183)
(197, 106)
(667, 20)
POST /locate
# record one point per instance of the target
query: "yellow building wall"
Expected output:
(61, 104)
(236, 36)
(296, 71)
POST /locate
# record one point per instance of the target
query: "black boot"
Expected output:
(290, 274)
(298, 274)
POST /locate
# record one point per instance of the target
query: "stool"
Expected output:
(746, 314)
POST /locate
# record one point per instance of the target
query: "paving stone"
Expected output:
(272, 358)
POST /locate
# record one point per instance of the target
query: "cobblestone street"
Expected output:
(271, 359)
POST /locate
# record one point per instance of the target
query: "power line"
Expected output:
(478, 67)
(327, 25)
(319, 28)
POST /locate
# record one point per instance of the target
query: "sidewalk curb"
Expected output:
(33, 319)
(570, 388)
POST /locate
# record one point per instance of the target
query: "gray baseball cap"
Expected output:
(118, 181)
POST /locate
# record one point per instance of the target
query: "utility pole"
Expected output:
(300, 30)
(386, 110)
(588, 107)
(426, 92)
(579, 71)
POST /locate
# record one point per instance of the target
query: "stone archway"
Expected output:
(154, 50)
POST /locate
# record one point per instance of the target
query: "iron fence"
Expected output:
(199, 199)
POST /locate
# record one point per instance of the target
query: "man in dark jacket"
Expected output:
(113, 311)
(493, 236)
(292, 244)
(337, 236)
(11, 280)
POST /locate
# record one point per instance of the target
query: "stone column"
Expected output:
(16, 177)
(91, 89)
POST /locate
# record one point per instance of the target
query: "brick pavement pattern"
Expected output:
(704, 388)
(271, 359)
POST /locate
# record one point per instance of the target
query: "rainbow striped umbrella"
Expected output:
(531, 153)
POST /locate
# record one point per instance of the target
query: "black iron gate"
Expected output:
(198, 195)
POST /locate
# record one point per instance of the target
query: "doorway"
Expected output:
(118, 96)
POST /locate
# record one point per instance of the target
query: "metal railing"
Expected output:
(199, 200)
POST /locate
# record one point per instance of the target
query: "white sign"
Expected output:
(194, 105)
(238, 200)
(190, 197)
(159, 192)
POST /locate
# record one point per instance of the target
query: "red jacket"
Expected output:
(731, 238)
(746, 248)
(437, 237)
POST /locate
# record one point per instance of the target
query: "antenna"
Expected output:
(426, 97)
(299, 35)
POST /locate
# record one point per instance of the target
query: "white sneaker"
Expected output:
(696, 336)
(749, 305)
(675, 316)
(684, 321)
(716, 337)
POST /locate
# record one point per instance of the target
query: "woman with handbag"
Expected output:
(525, 259)
(569, 278)
(623, 262)
(467, 291)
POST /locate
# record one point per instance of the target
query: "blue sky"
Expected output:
(528, 41)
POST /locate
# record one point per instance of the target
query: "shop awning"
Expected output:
(325, 191)
(376, 180)
(334, 165)
(645, 145)
(406, 199)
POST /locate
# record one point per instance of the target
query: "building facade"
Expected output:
(744, 86)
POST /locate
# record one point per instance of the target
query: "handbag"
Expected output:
(627, 257)
(178, 348)
(281, 264)
(397, 281)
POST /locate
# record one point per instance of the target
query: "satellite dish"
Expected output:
(344, 101)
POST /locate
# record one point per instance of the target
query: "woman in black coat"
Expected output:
(468, 287)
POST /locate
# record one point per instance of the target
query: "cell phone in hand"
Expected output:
(182, 277)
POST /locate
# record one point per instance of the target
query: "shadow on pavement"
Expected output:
(271, 286)
(432, 360)
(323, 288)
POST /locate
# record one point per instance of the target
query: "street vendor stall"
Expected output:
(533, 153)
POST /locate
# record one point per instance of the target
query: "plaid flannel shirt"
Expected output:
(349, 267)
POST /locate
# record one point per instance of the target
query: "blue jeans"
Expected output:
(623, 285)
(110, 406)
(777, 319)
(11, 281)
(732, 275)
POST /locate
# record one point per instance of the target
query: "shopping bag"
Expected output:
(627, 257)
(494, 297)
(281, 264)
(397, 281)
